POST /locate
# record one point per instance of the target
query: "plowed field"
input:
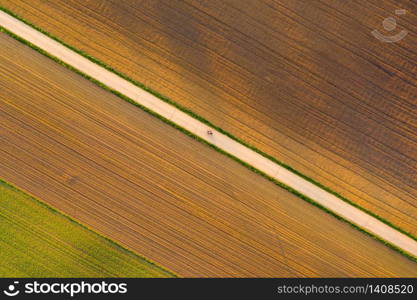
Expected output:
(37, 241)
(304, 81)
(157, 191)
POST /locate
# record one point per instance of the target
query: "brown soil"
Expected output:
(155, 190)
(304, 81)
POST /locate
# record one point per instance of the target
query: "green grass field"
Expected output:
(198, 117)
(38, 241)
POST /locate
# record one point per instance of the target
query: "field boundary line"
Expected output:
(59, 212)
(189, 112)
(220, 140)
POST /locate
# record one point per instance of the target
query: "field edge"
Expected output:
(72, 220)
(185, 131)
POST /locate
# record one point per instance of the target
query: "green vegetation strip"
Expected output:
(38, 241)
(140, 85)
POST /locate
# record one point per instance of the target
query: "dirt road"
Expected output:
(146, 185)
(304, 81)
(322, 197)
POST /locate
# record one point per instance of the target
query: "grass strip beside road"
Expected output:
(38, 241)
(185, 110)
(203, 141)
